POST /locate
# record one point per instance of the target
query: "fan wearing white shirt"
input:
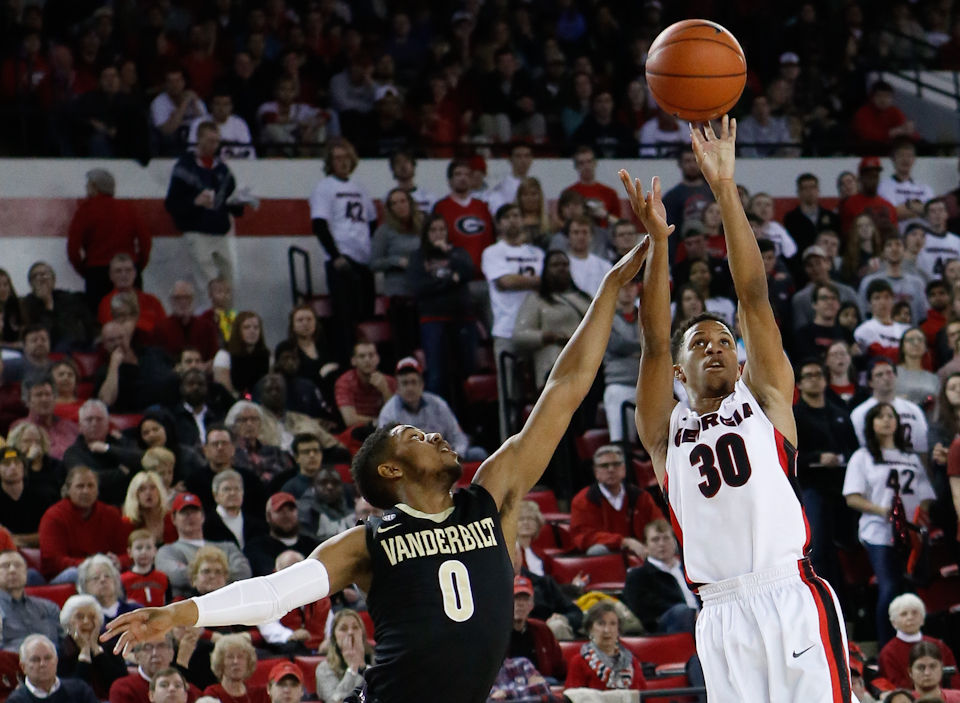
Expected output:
(906, 194)
(761, 205)
(173, 110)
(403, 166)
(521, 159)
(586, 268)
(235, 139)
(939, 246)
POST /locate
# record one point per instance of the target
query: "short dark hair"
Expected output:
(766, 245)
(283, 347)
(829, 286)
(455, 164)
(807, 177)
(34, 327)
(402, 152)
(878, 285)
(217, 427)
(809, 361)
(676, 341)
(881, 86)
(598, 611)
(374, 451)
(932, 201)
(164, 673)
(303, 438)
(504, 209)
(934, 284)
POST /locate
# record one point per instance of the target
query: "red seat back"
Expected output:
(590, 441)
(308, 667)
(124, 422)
(57, 594)
(545, 499)
(661, 649)
(604, 571)
(262, 671)
(374, 331)
(469, 471)
(570, 649)
(87, 362)
(322, 306)
(481, 388)
(32, 557)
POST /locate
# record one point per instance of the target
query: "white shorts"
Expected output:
(775, 636)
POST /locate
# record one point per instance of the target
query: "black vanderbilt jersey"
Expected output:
(442, 601)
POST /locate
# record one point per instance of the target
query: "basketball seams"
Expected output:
(696, 75)
(679, 40)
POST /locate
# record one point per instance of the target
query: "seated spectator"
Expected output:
(866, 200)
(45, 473)
(586, 268)
(35, 359)
(412, 405)
(901, 189)
(874, 475)
(907, 614)
(266, 462)
(123, 275)
(233, 661)
(348, 656)
(816, 337)
(304, 396)
(914, 381)
(762, 205)
(219, 452)
(184, 329)
(601, 201)
(315, 357)
(278, 426)
(878, 122)
(152, 658)
(326, 508)
(531, 638)
(9, 668)
(227, 523)
(172, 112)
(235, 139)
(906, 287)
(82, 656)
(246, 358)
(604, 663)
(39, 398)
(549, 318)
(23, 615)
(439, 276)
(162, 462)
(79, 526)
(134, 377)
(110, 456)
(688, 304)
(620, 368)
(762, 133)
(393, 243)
(533, 211)
(509, 107)
(938, 303)
(143, 582)
(173, 559)
(303, 629)
(195, 412)
(363, 390)
(63, 313)
(880, 335)
(657, 591)
(862, 248)
(11, 319)
(701, 278)
(926, 674)
(661, 136)
(602, 131)
(308, 454)
(286, 121)
(158, 430)
(221, 311)
(103, 226)
(170, 686)
(21, 503)
(809, 217)
(97, 576)
(66, 377)
(940, 246)
(285, 683)
(610, 515)
(388, 129)
(39, 661)
(264, 549)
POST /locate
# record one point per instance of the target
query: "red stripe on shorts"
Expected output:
(830, 633)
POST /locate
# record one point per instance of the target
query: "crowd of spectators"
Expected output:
(283, 77)
(158, 450)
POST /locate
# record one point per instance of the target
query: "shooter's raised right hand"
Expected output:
(648, 207)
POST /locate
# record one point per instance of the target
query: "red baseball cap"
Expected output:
(408, 363)
(278, 500)
(521, 584)
(284, 669)
(186, 500)
(868, 162)
(477, 163)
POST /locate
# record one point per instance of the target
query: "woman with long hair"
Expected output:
(157, 428)
(701, 278)
(578, 107)
(439, 276)
(393, 243)
(348, 656)
(533, 211)
(841, 376)
(66, 376)
(863, 246)
(44, 473)
(915, 381)
(146, 506)
(316, 359)
(11, 314)
(689, 302)
(877, 472)
(246, 359)
(604, 663)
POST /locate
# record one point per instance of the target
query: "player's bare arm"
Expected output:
(516, 467)
(767, 371)
(344, 556)
(655, 383)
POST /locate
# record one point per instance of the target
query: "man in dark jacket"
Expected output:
(657, 591)
(283, 520)
(532, 638)
(38, 659)
(197, 196)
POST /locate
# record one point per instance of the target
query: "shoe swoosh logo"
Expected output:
(382, 529)
(797, 654)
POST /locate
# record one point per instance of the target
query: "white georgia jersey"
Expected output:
(730, 492)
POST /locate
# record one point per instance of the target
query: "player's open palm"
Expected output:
(142, 625)
(648, 207)
(715, 154)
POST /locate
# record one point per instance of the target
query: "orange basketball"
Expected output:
(696, 70)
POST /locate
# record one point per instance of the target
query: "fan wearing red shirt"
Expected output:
(123, 275)
(878, 122)
(609, 515)
(867, 201)
(362, 391)
(602, 201)
(468, 219)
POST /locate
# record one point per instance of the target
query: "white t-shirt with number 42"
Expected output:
(501, 259)
(348, 211)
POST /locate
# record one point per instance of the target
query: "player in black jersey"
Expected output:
(436, 566)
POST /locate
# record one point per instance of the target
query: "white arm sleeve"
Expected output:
(265, 598)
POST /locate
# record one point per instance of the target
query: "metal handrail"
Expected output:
(293, 254)
(660, 692)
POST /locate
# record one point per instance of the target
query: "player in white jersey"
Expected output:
(770, 629)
